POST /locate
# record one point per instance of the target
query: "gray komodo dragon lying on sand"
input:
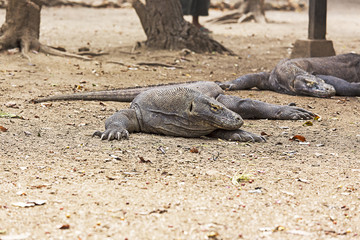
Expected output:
(185, 110)
(317, 77)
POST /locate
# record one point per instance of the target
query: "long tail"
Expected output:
(118, 95)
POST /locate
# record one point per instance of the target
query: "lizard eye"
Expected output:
(215, 108)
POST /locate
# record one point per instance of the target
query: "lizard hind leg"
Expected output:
(248, 81)
(342, 87)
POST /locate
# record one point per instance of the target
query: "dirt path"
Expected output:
(102, 190)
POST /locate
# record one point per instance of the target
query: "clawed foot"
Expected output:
(237, 135)
(294, 113)
(112, 134)
(226, 86)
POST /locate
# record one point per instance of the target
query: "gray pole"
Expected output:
(317, 19)
(316, 45)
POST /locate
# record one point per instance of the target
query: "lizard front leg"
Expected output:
(119, 125)
(253, 109)
(237, 135)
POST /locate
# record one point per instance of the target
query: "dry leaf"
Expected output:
(11, 105)
(142, 160)
(317, 118)
(30, 203)
(46, 104)
(64, 226)
(23, 204)
(9, 115)
(308, 123)
(2, 129)
(213, 235)
(303, 180)
(279, 229)
(298, 138)
(194, 150)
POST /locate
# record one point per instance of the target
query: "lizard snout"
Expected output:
(233, 122)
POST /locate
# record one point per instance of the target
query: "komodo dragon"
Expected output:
(317, 77)
(186, 110)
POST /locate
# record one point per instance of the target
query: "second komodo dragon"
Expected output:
(185, 110)
(317, 77)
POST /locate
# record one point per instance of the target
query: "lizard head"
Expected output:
(212, 113)
(310, 85)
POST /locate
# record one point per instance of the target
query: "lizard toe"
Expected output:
(118, 136)
(294, 113)
(111, 136)
(103, 136)
(125, 134)
(243, 136)
(97, 134)
(249, 138)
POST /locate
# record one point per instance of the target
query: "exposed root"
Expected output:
(249, 10)
(238, 17)
(52, 51)
(27, 45)
(230, 17)
(92, 54)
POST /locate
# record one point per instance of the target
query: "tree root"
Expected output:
(27, 45)
(249, 10)
(52, 51)
(237, 17)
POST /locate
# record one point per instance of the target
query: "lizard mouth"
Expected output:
(229, 123)
(311, 85)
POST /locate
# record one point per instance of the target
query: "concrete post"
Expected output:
(316, 45)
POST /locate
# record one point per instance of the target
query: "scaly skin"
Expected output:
(186, 110)
(317, 77)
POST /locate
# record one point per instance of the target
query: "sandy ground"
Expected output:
(91, 189)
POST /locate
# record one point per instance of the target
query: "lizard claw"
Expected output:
(245, 136)
(97, 134)
(294, 113)
(112, 134)
(225, 86)
(237, 135)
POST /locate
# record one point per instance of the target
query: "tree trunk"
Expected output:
(248, 10)
(253, 9)
(166, 28)
(22, 28)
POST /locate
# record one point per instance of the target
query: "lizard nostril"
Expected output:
(239, 119)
